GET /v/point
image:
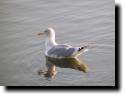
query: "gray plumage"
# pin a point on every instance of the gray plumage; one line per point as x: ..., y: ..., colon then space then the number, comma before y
x: 62, y: 50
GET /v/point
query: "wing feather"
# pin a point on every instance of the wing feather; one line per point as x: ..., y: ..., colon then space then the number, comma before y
x: 61, y: 50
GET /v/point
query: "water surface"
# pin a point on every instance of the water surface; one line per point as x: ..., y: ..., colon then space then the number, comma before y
x: 77, y: 22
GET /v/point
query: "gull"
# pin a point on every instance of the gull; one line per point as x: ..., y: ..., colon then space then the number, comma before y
x: 55, y: 50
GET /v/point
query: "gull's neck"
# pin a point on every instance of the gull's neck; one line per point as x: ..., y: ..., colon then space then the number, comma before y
x: 50, y: 40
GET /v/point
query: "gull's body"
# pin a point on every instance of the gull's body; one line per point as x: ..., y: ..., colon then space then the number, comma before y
x: 60, y: 50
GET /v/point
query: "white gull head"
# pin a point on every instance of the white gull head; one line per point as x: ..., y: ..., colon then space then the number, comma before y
x: 49, y: 31
x: 50, y: 38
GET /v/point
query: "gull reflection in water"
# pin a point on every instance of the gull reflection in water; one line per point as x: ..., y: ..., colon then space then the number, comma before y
x: 52, y: 63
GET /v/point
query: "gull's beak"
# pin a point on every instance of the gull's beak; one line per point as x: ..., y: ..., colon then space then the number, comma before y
x: 40, y: 33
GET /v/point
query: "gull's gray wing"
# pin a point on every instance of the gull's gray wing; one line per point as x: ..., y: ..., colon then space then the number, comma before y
x: 61, y: 50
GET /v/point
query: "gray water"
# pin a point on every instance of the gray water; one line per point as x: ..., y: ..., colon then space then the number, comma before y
x: 76, y: 22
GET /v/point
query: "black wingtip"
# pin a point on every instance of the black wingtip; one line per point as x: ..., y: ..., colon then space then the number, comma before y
x: 81, y: 48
